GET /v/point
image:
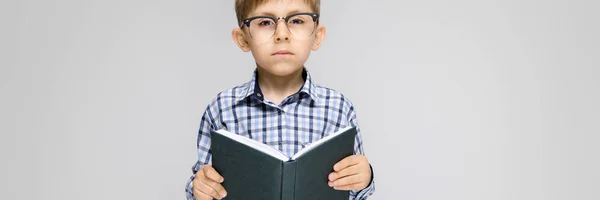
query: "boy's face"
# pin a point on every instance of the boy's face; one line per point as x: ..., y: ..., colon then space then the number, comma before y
x: 285, y: 52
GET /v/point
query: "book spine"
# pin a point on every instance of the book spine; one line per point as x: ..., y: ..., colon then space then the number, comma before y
x: 288, y: 180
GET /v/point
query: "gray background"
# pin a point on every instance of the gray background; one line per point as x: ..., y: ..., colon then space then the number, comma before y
x: 456, y: 99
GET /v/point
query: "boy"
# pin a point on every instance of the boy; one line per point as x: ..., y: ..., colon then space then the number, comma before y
x: 280, y: 106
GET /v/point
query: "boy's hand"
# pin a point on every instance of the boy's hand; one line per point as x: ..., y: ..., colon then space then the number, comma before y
x: 351, y: 173
x: 207, y: 184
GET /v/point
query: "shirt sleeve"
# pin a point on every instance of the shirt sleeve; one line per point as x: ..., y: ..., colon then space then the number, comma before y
x: 358, y: 150
x: 203, y: 147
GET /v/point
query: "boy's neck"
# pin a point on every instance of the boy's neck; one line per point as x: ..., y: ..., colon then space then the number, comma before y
x: 276, y: 88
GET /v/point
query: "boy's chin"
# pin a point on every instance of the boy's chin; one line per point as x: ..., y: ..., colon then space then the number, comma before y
x: 282, y: 70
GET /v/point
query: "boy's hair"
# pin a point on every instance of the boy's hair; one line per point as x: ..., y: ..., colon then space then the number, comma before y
x: 244, y: 7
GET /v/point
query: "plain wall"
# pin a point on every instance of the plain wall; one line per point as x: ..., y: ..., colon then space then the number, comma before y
x: 457, y: 100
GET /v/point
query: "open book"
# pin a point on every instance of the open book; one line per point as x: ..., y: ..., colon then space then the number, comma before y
x: 253, y: 170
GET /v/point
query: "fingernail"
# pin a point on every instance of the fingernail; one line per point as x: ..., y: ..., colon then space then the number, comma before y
x: 330, y: 184
x: 331, y: 177
x: 222, y: 179
x: 335, y: 167
x: 224, y: 195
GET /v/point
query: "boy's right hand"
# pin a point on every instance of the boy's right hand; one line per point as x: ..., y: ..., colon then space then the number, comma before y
x: 207, y: 184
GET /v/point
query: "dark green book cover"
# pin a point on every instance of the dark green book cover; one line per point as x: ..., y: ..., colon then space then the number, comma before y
x: 253, y: 170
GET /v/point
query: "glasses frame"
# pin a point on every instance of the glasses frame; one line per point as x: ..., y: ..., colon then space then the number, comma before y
x: 315, y: 18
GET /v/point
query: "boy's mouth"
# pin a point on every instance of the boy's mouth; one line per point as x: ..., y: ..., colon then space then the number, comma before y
x: 282, y: 52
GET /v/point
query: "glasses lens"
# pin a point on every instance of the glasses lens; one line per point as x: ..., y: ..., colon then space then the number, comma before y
x: 262, y: 28
x: 301, y: 25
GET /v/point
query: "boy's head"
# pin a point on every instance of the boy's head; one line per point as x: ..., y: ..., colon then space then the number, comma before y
x: 279, y: 33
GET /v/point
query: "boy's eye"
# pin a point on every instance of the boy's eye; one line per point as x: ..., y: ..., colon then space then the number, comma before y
x: 265, y: 23
x: 296, y: 21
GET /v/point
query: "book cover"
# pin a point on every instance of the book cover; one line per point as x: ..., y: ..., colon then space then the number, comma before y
x: 253, y: 170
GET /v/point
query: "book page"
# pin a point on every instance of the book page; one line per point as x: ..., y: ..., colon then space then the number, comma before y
x: 319, y: 142
x: 254, y: 144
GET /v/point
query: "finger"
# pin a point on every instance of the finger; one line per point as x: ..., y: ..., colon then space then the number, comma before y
x: 204, y: 191
x: 201, y: 196
x: 348, y: 180
x: 346, y: 162
x: 212, y: 174
x: 356, y: 186
x: 352, y: 170
x: 217, y: 187
x: 208, y: 190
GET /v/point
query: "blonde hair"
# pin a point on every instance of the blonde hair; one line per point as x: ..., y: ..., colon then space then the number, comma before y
x: 244, y: 7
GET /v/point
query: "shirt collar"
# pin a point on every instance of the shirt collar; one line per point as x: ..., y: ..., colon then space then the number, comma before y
x: 252, y: 89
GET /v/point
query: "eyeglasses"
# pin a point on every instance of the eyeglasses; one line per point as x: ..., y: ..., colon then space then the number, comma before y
x: 263, y: 28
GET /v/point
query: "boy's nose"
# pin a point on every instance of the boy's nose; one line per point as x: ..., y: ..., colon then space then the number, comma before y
x: 282, y: 33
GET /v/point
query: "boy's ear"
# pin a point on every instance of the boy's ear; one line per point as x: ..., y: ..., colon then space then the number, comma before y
x: 237, y: 34
x: 319, y: 37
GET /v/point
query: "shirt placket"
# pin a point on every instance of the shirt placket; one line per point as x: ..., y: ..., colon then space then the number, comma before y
x: 281, y: 129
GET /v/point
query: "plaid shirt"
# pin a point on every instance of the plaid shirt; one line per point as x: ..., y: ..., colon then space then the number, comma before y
x: 300, y: 119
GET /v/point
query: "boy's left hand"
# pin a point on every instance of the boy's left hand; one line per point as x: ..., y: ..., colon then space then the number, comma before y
x: 351, y: 173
